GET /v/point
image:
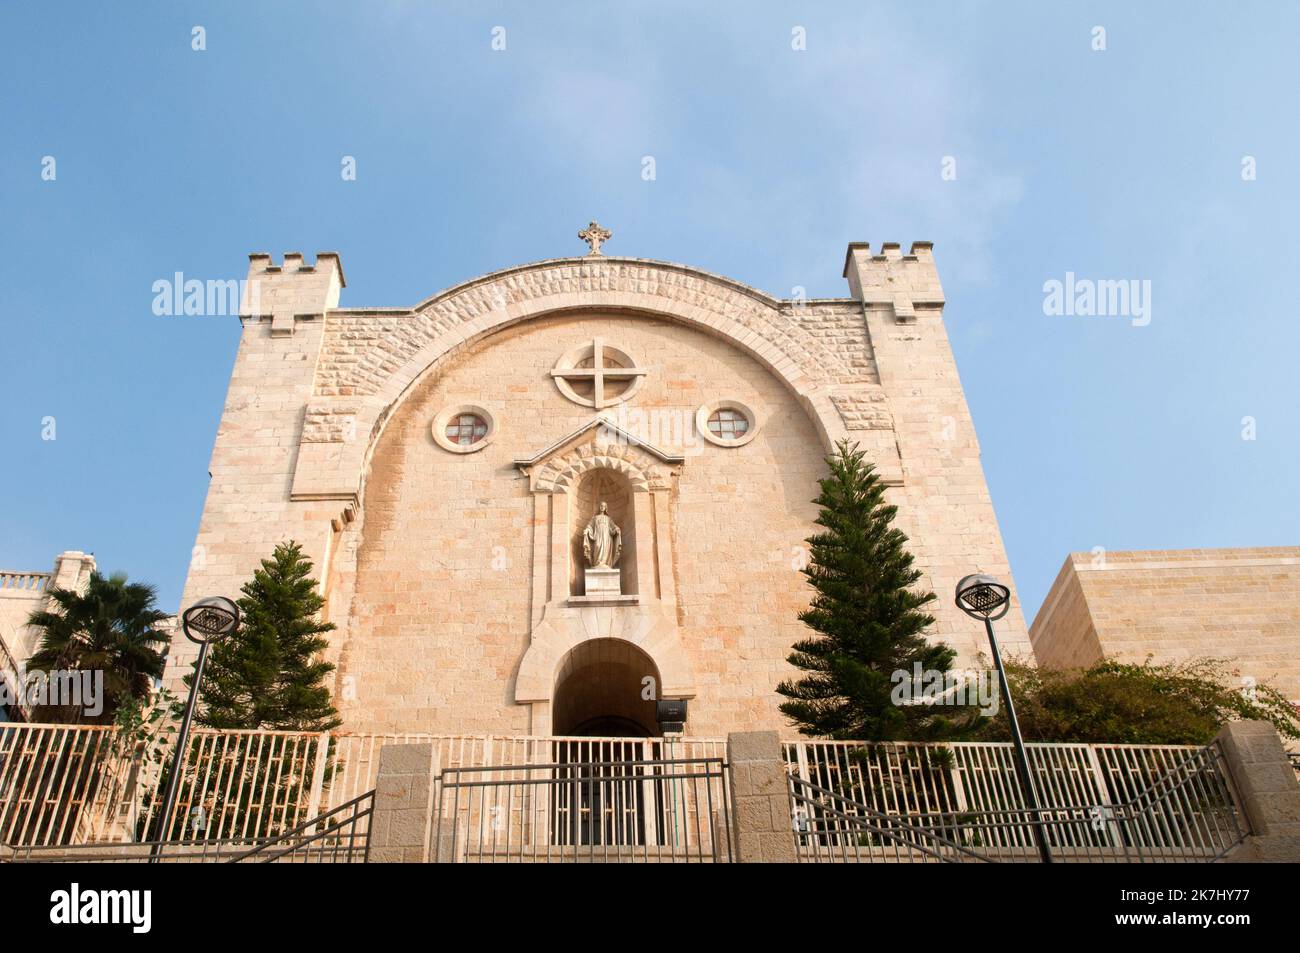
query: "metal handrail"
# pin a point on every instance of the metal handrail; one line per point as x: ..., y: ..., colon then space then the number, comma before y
x: 1128, y: 816
x: 120, y: 851
x: 358, y: 813
x: 1130, y: 805
x: 215, y: 849
x: 639, y: 762
x: 895, y: 820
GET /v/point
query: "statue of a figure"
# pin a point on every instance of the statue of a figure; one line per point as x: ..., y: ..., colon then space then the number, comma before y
x: 602, y: 540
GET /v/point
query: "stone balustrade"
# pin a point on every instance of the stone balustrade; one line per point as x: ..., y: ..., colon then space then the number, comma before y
x: 23, y: 583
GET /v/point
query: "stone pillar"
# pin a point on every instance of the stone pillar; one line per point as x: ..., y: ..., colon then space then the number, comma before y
x: 760, y: 796
x: 72, y: 570
x: 1268, y: 791
x: 404, y: 791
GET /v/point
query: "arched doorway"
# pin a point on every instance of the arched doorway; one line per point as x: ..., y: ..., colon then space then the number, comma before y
x: 606, y: 688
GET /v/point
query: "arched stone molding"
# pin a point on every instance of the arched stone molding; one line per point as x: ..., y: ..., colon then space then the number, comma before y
x: 370, y: 360
x: 773, y: 331
x: 643, y: 471
x: 607, y: 682
x: 650, y: 627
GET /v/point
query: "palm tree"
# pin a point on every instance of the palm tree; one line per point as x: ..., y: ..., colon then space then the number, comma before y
x: 112, y: 627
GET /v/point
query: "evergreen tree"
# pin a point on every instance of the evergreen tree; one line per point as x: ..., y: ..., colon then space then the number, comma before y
x: 867, y: 619
x: 269, y: 674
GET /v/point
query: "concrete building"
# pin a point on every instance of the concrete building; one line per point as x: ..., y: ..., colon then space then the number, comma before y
x: 442, y: 465
x: 1242, y: 604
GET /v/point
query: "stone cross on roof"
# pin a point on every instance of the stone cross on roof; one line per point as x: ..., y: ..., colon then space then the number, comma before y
x: 593, y: 235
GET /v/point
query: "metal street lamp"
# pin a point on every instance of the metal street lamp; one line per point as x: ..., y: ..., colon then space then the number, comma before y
x: 983, y: 597
x: 203, y: 623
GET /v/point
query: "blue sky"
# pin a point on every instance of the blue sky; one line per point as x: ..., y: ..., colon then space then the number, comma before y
x: 1119, y: 164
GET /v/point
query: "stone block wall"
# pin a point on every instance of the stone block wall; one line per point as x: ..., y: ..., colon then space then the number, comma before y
x: 249, y: 508
x: 446, y: 575
x: 1266, y: 787
x: 1174, y: 605
x: 943, y: 503
x: 427, y: 558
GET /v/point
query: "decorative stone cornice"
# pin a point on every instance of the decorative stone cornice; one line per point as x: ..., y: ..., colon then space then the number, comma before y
x: 362, y: 352
x: 560, y: 466
x: 370, y: 359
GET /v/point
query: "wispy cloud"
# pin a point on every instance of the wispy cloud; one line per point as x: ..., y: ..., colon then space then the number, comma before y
x: 843, y: 141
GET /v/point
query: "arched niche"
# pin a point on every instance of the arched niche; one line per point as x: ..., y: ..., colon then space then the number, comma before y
x: 593, y: 487
x: 606, y: 687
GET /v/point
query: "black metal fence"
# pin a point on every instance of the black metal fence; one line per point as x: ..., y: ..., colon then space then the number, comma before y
x: 1186, y: 815
x: 655, y: 811
x: 340, y: 836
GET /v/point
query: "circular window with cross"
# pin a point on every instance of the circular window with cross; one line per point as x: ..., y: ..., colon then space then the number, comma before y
x: 598, y: 375
x: 463, y: 428
x: 726, y: 423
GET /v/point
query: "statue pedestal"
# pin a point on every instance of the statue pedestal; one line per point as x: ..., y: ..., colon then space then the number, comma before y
x: 602, y: 582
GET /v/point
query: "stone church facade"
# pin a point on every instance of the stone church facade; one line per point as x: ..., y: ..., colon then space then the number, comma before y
x: 440, y: 465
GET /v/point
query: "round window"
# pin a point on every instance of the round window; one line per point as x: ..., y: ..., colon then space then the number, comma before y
x: 466, y: 429
x: 727, y: 423
x: 463, y: 429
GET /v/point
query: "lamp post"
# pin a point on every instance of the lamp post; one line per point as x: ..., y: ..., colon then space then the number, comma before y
x: 983, y: 597
x: 204, y: 622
